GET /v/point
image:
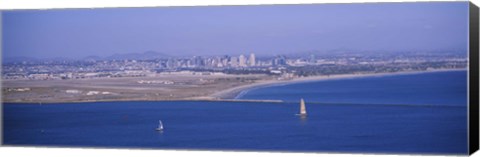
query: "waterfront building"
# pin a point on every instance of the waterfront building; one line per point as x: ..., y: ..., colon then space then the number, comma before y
x: 198, y: 61
x: 279, y: 61
x: 225, y: 60
x: 251, y: 60
x: 242, y: 61
x: 234, y: 62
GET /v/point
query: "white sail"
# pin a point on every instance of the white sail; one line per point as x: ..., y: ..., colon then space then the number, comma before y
x: 160, y: 125
x: 303, y: 109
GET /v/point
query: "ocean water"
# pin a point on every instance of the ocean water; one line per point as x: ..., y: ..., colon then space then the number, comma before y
x: 436, y: 88
x: 373, y: 126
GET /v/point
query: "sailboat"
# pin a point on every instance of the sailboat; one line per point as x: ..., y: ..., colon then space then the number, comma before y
x: 160, y: 126
x: 303, y: 109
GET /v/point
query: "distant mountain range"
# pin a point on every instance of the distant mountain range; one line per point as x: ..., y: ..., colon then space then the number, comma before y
x: 18, y: 59
x: 157, y: 55
x: 136, y: 56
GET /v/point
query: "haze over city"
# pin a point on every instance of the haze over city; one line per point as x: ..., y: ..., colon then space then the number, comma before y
x: 234, y: 30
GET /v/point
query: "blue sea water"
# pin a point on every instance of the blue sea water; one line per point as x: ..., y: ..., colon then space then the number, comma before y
x: 375, y: 125
x: 436, y: 88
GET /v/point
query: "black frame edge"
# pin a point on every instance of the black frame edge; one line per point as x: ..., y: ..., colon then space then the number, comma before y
x: 473, y: 107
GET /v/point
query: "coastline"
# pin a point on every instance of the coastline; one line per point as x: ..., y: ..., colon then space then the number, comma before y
x: 234, y: 93
x: 231, y: 94
x: 146, y: 100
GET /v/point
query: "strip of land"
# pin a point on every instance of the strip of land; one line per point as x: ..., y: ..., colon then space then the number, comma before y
x: 232, y: 93
x: 156, y: 88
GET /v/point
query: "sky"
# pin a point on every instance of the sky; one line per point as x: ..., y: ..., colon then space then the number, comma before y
x: 219, y: 30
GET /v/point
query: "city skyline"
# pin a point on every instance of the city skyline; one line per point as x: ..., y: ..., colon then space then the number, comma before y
x: 233, y: 30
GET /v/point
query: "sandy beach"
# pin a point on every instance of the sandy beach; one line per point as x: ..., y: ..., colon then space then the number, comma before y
x: 232, y: 93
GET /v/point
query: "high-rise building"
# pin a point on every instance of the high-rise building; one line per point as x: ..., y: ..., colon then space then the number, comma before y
x: 251, y: 60
x: 217, y: 62
x: 312, y: 59
x: 198, y: 61
x: 171, y: 63
x: 225, y: 60
x: 242, y: 61
x: 279, y: 61
x: 234, y: 61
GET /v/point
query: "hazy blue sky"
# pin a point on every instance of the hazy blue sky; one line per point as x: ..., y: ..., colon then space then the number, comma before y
x: 236, y: 29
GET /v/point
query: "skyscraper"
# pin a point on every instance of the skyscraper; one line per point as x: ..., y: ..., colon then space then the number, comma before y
x: 251, y: 60
x: 242, y: 61
x: 312, y: 59
x: 198, y: 61
x: 280, y: 60
x: 225, y: 60
x: 233, y: 61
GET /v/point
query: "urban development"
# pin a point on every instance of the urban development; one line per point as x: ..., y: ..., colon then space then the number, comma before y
x: 195, y: 77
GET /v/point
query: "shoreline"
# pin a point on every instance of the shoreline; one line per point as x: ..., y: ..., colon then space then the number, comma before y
x: 140, y: 100
x: 232, y: 94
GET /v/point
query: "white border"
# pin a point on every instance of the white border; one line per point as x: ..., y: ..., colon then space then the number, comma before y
x: 61, y: 152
